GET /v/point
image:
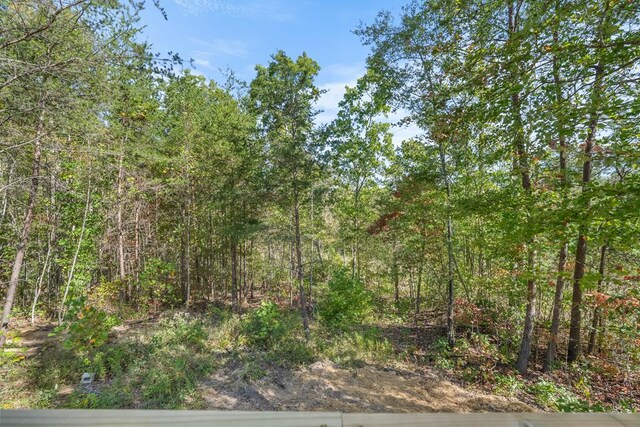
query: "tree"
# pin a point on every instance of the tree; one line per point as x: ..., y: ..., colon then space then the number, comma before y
x: 48, y: 49
x: 359, y: 146
x: 282, y: 95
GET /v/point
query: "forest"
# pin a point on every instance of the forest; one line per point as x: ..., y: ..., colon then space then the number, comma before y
x: 190, y: 243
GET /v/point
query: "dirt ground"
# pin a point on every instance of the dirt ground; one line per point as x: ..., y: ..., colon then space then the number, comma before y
x: 323, y: 386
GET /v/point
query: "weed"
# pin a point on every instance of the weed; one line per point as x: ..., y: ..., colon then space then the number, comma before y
x: 507, y: 385
x: 356, y: 348
x: 555, y: 397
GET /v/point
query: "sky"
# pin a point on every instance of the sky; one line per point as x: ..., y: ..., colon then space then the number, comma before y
x: 238, y: 34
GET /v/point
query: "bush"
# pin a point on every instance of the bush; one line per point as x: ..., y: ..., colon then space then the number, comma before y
x: 89, y: 330
x: 265, y: 327
x: 558, y: 398
x: 345, y: 303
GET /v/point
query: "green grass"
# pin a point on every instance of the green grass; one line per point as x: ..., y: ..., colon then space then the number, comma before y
x: 159, y: 369
x: 353, y: 349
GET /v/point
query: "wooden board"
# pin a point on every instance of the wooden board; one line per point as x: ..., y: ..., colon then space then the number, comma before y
x: 491, y: 420
x: 131, y: 418
x: 134, y: 418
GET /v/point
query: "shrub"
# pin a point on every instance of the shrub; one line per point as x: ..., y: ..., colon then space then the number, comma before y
x: 265, y: 327
x: 346, y: 301
x: 558, y: 398
x: 89, y: 329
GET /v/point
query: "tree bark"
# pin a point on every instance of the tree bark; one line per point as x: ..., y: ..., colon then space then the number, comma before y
x: 420, y: 268
x: 26, y: 229
x: 530, y: 314
x: 557, y: 309
x: 595, y: 323
x: 38, y: 289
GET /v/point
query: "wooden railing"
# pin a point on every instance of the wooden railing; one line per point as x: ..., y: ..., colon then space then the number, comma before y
x: 136, y: 418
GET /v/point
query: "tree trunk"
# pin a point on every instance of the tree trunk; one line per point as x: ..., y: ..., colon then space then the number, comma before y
x: 395, y: 273
x: 529, y: 320
x: 557, y: 309
x: 187, y: 296
x: 119, y: 225
x: 5, y: 198
x: 419, y: 286
x: 26, y: 229
x: 451, y: 331
x: 75, y: 255
x: 595, y: 323
x: 298, y: 250
x: 521, y: 164
x: 581, y: 247
x: 234, y: 276
x: 38, y: 290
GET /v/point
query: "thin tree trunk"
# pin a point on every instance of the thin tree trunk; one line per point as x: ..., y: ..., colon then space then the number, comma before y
x: 529, y: 320
x: 597, y: 310
x: 5, y: 197
x: 26, y: 229
x: 557, y: 309
x: 521, y: 164
x: 75, y: 255
x: 234, y: 276
x: 451, y: 331
x: 298, y: 250
x: 395, y: 273
x: 38, y: 290
x: 292, y: 269
x: 119, y: 225
x: 419, y: 287
x: 187, y: 296
x: 581, y: 247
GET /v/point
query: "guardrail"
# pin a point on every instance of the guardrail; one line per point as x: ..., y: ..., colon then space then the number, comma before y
x: 136, y: 418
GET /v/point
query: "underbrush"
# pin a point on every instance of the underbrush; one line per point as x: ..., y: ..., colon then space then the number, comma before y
x: 159, y: 369
x: 355, y: 348
x: 480, y: 361
x: 162, y: 365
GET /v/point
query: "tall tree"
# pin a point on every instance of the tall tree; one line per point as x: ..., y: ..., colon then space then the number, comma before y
x: 283, y: 96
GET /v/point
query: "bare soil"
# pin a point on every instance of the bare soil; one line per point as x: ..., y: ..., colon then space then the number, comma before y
x: 323, y: 386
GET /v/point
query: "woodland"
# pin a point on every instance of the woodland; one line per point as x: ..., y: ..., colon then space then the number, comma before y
x: 178, y: 237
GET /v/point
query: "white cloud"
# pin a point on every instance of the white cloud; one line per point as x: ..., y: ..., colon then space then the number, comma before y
x: 219, y: 48
x: 343, y: 70
x: 204, y: 63
x: 276, y: 10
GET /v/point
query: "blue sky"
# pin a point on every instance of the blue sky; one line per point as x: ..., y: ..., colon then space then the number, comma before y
x: 238, y: 34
